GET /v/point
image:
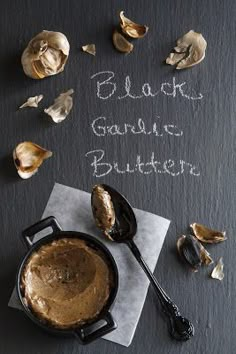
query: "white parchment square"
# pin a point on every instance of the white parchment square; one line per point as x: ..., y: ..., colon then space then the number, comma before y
x: 72, y: 209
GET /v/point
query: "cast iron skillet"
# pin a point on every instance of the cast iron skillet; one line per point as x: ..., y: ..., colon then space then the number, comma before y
x: 104, y: 322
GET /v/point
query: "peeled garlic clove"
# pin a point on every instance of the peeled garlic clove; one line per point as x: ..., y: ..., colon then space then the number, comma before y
x: 190, y: 51
x: 131, y: 28
x: 32, y: 101
x: 61, y: 107
x: 193, y: 252
x: 204, y: 234
x: 121, y: 43
x: 103, y: 209
x: 28, y: 157
x: 218, y: 272
x: 45, y: 55
x: 89, y: 48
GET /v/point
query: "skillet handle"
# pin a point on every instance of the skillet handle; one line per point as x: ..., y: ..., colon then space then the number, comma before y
x: 89, y: 333
x: 29, y: 233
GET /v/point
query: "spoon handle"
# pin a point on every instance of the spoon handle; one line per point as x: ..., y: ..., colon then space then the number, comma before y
x: 180, y: 328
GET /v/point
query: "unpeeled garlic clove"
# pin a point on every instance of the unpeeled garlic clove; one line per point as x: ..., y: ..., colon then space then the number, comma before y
x: 28, y: 157
x: 121, y: 43
x: 131, y: 28
x: 190, y: 51
x: 32, y: 101
x: 45, y: 55
x: 61, y: 107
x: 217, y: 272
x: 204, y: 234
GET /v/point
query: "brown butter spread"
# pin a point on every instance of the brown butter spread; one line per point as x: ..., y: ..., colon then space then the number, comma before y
x: 66, y: 282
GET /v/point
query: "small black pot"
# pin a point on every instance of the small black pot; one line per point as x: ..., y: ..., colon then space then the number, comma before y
x: 104, y: 322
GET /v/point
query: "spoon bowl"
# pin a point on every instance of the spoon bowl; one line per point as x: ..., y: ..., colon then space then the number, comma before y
x: 123, y: 231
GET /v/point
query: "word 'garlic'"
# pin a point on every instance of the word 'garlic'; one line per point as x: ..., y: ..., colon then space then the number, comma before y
x: 28, y: 157
x: 61, y: 107
x: 45, y: 55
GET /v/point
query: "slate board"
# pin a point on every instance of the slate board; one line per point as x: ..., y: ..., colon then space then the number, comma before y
x: 208, y: 142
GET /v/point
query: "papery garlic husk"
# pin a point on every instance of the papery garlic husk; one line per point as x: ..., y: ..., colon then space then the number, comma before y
x: 28, y: 157
x: 194, y: 254
x: 217, y: 272
x: 121, y: 43
x: 89, y: 48
x: 32, y: 101
x: 204, y: 234
x: 45, y: 55
x: 190, y: 51
x: 131, y: 28
x: 103, y: 209
x: 61, y: 107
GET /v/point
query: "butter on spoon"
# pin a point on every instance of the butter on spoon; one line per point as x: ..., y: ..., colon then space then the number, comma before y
x: 122, y: 230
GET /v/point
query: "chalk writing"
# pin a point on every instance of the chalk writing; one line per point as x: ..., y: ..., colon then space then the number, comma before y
x: 170, y: 167
x: 101, y: 128
x: 106, y: 88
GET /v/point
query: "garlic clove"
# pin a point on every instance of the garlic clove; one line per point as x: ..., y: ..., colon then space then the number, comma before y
x: 190, y: 51
x: 61, y: 107
x: 32, y: 101
x: 28, y: 157
x: 204, y: 234
x: 89, y: 48
x: 131, y: 28
x: 45, y: 55
x: 192, y: 252
x: 217, y: 272
x: 121, y: 43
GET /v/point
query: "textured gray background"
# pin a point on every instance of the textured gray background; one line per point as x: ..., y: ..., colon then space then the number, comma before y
x: 209, y: 135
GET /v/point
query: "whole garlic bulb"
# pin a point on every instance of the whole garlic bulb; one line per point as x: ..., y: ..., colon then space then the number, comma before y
x: 45, y: 55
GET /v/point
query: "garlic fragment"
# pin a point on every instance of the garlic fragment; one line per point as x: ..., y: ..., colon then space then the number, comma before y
x: 61, y: 107
x: 32, y: 101
x: 190, y: 51
x: 121, y: 43
x: 28, y: 157
x: 131, y: 28
x: 45, y: 55
x: 89, y: 48
x: 204, y: 234
x: 218, y: 272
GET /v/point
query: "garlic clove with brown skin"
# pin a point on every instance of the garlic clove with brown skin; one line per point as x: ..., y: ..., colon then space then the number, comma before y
x: 132, y: 29
x: 28, y: 157
x: 45, y: 55
x: 121, y: 43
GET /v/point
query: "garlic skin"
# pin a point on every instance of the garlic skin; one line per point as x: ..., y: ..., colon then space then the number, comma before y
x: 28, y: 157
x: 45, y: 55
x: 32, y: 102
x: 190, y: 51
x: 61, y: 107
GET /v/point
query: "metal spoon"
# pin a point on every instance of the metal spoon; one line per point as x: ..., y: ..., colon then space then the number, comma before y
x: 123, y: 231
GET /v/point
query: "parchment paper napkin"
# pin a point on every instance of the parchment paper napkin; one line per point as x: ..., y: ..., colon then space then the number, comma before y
x: 72, y: 209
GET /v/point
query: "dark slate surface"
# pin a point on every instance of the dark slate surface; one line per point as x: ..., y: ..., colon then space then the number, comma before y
x: 208, y: 135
